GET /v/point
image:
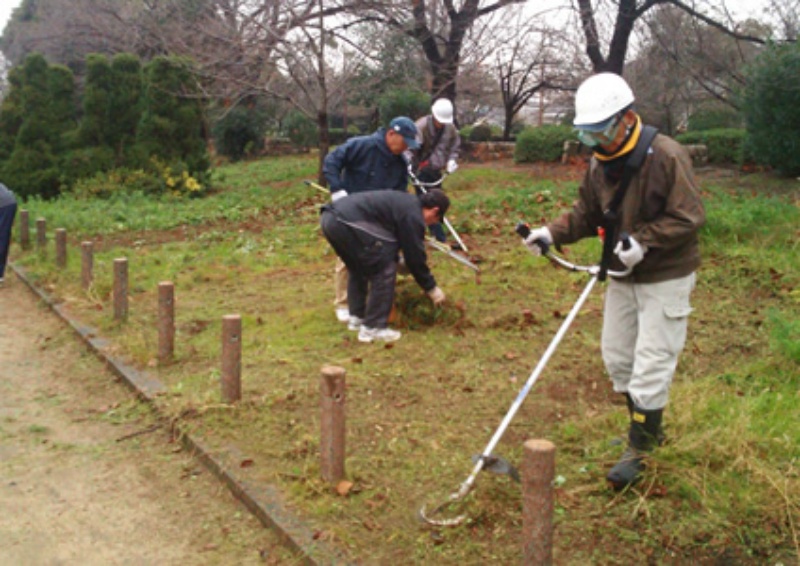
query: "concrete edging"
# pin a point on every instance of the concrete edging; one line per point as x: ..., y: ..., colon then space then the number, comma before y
x: 263, y: 501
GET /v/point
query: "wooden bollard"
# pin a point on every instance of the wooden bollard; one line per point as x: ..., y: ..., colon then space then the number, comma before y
x: 166, y: 322
x: 24, y: 229
x: 41, y: 234
x: 231, y: 358
x: 61, y: 248
x: 120, y: 288
x: 538, y: 471
x: 332, y: 404
x: 87, y: 264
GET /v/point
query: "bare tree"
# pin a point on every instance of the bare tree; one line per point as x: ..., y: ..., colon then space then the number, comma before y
x: 626, y: 13
x: 529, y: 58
x: 443, y: 29
x: 686, y: 64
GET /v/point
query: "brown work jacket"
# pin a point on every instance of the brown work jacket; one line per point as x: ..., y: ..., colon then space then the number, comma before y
x: 662, y: 210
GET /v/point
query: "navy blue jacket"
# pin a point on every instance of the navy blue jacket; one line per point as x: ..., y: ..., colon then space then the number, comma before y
x: 364, y: 163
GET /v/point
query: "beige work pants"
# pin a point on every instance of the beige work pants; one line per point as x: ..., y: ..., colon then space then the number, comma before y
x: 340, y: 285
x: 644, y: 331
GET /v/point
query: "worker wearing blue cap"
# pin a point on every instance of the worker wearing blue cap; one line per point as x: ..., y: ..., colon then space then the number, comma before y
x: 368, y: 163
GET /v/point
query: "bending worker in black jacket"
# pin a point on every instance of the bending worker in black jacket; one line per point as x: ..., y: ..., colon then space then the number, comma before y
x: 367, y: 230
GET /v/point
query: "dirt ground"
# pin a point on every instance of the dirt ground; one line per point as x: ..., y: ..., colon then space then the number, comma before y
x: 87, y: 475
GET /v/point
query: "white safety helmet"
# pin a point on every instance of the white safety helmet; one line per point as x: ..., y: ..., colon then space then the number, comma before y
x: 443, y: 111
x: 599, y: 98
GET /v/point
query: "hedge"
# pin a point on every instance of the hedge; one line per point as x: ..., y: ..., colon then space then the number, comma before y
x: 543, y: 143
x: 725, y: 145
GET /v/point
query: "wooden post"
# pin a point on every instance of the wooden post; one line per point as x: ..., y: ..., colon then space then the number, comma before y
x: 538, y: 471
x: 166, y: 322
x: 41, y: 234
x: 332, y: 438
x: 231, y: 358
x: 61, y: 248
x: 120, y: 288
x: 25, y: 229
x: 87, y: 264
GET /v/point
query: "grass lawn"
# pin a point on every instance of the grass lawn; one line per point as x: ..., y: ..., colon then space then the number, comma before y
x: 725, y: 487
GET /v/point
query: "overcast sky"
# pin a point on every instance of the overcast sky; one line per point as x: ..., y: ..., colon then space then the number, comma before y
x: 6, y: 7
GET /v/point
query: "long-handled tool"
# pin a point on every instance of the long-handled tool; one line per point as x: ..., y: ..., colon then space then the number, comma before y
x: 424, y: 188
x: 445, y: 250
x: 429, y: 241
x: 487, y: 461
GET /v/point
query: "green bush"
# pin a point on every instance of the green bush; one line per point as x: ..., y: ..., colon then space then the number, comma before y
x: 172, y: 125
x: 543, y: 143
x: 240, y: 131
x: 714, y: 116
x: 338, y: 136
x: 110, y: 183
x: 481, y: 133
x: 409, y: 102
x: 771, y: 111
x: 300, y: 129
x: 83, y: 163
x: 725, y: 145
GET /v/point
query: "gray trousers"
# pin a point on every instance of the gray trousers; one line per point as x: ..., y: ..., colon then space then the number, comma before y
x: 644, y: 331
x: 372, y: 266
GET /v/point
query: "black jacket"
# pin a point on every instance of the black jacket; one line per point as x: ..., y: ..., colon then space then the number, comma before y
x: 392, y: 217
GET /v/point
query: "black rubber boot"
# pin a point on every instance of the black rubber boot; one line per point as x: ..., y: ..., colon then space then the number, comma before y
x: 642, y: 438
x: 660, y: 436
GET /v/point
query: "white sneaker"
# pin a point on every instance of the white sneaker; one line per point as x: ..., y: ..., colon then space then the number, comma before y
x: 354, y: 323
x: 383, y: 334
x: 342, y: 314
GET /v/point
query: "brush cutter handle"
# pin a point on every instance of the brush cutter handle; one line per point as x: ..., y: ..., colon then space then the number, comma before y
x: 429, y: 185
x: 524, y: 230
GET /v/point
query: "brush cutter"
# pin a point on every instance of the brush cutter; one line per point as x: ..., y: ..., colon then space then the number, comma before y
x: 424, y: 188
x: 486, y: 460
x: 429, y: 241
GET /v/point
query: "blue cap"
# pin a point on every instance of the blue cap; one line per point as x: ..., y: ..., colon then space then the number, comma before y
x: 406, y: 128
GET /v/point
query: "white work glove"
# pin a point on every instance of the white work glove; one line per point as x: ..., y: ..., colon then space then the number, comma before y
x: 437, y: 296
x: 632, y: 255
x: 410, y: 168
x: 451, y: 166
x: 338, y: 194
x: 542, y: 234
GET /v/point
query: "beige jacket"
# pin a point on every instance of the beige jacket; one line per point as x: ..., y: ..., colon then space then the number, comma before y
x: 662, y: 210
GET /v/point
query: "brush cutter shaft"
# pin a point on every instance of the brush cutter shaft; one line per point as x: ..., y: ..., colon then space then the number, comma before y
x: 531, y: 381
x: 444, y: 249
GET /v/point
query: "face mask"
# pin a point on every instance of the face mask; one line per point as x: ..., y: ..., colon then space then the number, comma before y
x: 604, y: 136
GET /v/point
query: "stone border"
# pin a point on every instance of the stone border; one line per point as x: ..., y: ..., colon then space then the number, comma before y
x: 263, y: 501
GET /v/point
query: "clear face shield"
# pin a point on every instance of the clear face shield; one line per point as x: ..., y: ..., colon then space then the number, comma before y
x: 602, y: 133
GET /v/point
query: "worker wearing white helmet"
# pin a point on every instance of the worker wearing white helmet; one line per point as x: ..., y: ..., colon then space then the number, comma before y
x: 439, y: 144
x: 641, y: 184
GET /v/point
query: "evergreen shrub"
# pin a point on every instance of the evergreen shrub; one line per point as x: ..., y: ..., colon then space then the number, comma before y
x: 725, y: 145
x: 542, y: 143
x: 409, y: 102
x: 771, y: 108
x: 480, y: 133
